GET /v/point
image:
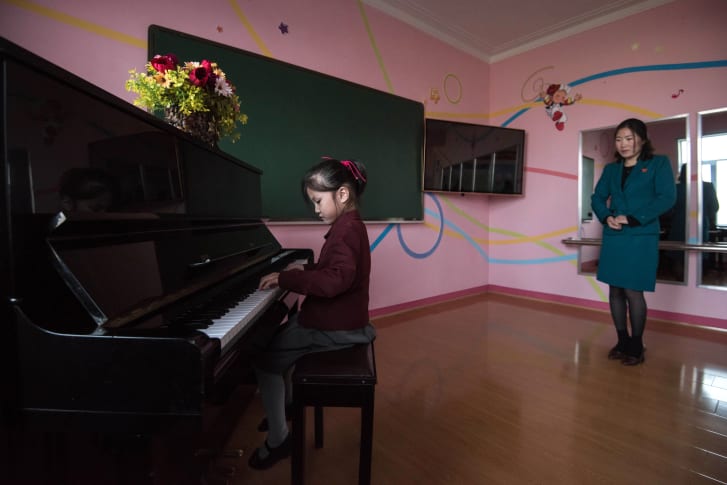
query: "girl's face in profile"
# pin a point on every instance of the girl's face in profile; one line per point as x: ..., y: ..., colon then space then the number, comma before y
x: 628, y: 144
x: 328, y: 205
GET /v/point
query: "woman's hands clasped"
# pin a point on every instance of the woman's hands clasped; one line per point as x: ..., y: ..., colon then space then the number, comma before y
x: 615, y: 223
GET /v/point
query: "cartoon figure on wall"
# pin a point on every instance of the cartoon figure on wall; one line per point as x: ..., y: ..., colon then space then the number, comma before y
x: 554, y: 98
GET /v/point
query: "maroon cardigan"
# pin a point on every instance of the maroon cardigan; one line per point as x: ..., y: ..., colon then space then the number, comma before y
x: 337, y: 286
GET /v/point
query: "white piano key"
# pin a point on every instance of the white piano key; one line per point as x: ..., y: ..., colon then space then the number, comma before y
x: 228, y: 326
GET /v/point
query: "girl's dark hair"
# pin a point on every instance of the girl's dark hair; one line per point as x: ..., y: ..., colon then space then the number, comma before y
x: 330, y: 174
x: 639, y: 128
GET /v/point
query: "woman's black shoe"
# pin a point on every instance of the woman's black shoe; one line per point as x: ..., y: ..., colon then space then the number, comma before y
x: 274, y: 455
x: 634, y: 359
x: 616, y: 353
x: 263, y: 425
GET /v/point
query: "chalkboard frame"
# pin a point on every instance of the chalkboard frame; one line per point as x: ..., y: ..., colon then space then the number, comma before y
x: 297, y: 115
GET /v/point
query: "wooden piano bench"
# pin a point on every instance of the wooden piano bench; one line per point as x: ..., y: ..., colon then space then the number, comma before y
x: 338, y: 378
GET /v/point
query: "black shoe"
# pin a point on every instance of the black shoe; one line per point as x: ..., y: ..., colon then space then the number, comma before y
x: 616, y: 353
x: 274, y: 455
x: 634, y: 359
x: 263, y: 426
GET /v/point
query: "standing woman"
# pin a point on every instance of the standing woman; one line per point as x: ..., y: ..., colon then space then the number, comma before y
x: 631, y: 194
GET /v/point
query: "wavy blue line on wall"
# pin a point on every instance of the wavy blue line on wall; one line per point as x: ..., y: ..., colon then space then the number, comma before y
x: 464, y: 235
x: 431, y: 250
x: 627, y: 70
x: 406, y: 248
x: 513, y: 117
x: 613, y: 72
x: 655, y: 67
x: 381, y: 236
x: 554, y: 259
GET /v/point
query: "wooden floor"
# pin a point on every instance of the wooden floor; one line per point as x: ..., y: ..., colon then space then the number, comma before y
x: 502, y: 390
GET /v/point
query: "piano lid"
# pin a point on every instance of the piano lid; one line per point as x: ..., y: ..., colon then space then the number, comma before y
x: 74, y: 147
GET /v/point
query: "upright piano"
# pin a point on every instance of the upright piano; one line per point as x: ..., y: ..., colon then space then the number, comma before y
x: 129, y: 260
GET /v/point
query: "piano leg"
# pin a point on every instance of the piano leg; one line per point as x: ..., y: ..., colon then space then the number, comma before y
x: 32, y: 457
x: 54, y: 456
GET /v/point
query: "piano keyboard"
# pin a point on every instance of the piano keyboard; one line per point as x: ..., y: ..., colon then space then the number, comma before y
x: 228, y: 326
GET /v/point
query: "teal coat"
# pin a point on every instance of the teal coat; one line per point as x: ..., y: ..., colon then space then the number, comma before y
x: 630, y: 256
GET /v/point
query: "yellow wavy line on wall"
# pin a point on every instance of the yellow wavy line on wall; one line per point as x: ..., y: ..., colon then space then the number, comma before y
x: 501, y: 242
x: 526, y: 239
x: 250, y: 30
x: 79, y: 23
x: 484, y: 116
x: 594, y: 285
x: 374, y: 46
x: 519, y: 238
x: 127, y: 39
x: 118, y: 36
x: 514, y: 109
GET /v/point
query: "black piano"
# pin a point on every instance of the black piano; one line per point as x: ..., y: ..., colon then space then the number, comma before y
x: 129, y: 261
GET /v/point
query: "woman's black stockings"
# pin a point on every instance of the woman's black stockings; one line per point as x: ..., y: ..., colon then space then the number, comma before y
x: 620, y: 300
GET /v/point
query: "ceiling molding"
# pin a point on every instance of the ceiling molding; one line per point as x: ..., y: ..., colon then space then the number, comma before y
x: 588, y: 23
x: 415, y: 15
x: 426, y: 26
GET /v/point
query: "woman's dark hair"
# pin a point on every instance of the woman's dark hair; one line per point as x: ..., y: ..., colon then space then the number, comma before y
x: 330, y: 174
x: 638, y: 127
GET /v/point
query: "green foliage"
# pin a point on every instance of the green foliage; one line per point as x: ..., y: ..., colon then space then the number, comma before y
x: 190, y: 88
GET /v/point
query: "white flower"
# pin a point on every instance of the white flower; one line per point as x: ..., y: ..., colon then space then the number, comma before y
x: 223, y: 88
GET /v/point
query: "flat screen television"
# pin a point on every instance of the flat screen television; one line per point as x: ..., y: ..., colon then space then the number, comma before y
x: 471, y: 158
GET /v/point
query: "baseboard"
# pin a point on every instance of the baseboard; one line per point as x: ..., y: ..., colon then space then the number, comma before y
x: 426, y: 302
x: 708, y: 323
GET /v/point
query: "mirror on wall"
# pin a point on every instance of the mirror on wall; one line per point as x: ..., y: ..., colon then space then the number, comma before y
x: 712, y: 190
x: 670, y: 138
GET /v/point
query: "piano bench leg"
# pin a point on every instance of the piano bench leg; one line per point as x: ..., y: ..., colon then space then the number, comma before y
x: 338, y: 378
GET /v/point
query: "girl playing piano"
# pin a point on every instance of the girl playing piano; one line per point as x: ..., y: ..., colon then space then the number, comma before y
x: 334, y: 313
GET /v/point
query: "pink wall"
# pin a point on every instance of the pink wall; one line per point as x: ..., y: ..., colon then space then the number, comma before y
x: 465, y: 243
x: 604, y: 64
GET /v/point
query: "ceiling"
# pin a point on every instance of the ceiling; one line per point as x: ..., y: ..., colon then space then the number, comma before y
x: 493, y: 30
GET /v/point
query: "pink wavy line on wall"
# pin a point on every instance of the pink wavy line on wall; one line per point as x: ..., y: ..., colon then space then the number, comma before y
x: 554, y: 173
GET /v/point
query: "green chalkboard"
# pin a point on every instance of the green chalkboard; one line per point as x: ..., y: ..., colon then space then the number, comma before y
x: 296, y: 116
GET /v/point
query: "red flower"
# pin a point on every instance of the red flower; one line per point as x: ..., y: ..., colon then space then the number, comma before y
x: 162, y: 63
x: 200, y: 76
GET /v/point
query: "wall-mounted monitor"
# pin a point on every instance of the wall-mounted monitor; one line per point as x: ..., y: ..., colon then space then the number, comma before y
x: 472, y: 158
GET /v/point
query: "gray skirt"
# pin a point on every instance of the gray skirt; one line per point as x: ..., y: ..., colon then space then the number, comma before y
x: 291, y: 342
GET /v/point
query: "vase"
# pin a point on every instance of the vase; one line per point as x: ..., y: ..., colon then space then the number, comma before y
x: 200, y: 124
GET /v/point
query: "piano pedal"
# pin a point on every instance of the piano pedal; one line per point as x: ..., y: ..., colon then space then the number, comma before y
x: 209, y: 452
x: 236, y: 453
x: 220, y: 475
x: 227, y: 471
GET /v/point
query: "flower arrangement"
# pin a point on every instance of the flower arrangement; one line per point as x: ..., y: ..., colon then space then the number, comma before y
x: 196, y: 97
